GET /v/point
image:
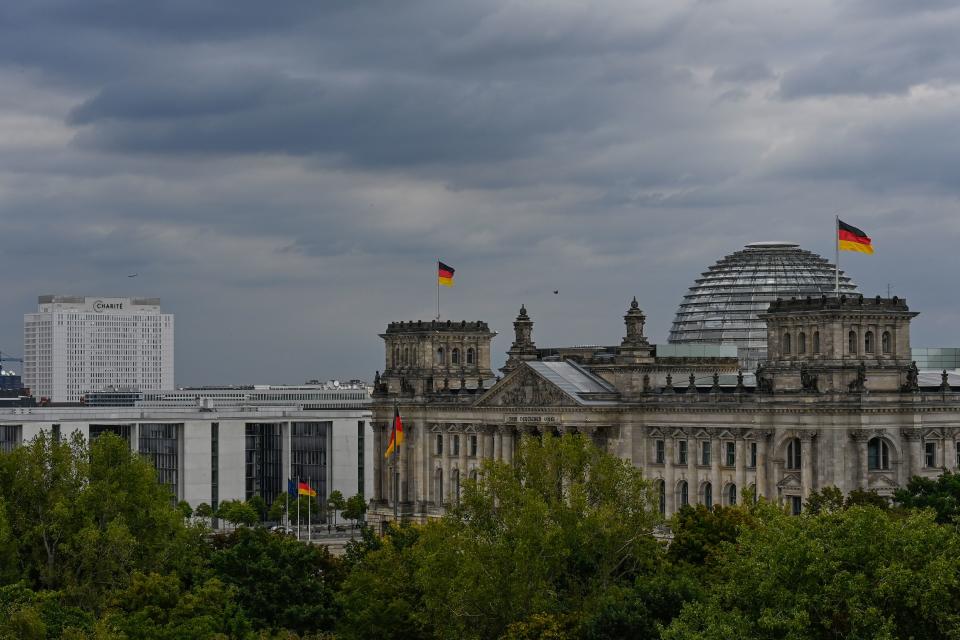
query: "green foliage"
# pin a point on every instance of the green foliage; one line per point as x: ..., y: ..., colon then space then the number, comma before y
x: 203, y: 510
x: 259, y: 506
x: 277, y: 510
x: 941, y: 494
x: 185, y: 509
x: 830, y: 499
x: 279, y: 581
x: 853, y: 573
x: 336, y: 500
x: 238, y: 513
x: 700, y: 533
x: 355, y: 508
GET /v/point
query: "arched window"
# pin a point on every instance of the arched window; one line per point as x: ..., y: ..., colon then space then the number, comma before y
x: 786, y: 344
x: 852, y: 343
x: 868, y: 342
x: 793, y: 454
x: 470, y: 356
x: 683, y: 493
x: 801, y: 342
x: 732, y: 495
x: 440, y: 354
x: 885, y: 342
x: 816, y: 342
x: 708, y: 495
x: 752, y: 488
x: 455, y: 356
x: 473, y: 475
x: 662, y: 496
x: 878, y: 455
x: 455, y: 481
x: 438, y: 486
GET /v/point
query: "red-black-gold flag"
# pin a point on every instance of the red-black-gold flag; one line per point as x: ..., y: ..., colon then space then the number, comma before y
x: 852, y: 239
x: 396, y: 436
x: 444, y: 274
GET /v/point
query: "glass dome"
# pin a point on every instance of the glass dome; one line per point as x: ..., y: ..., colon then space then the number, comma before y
x: 722, y: 307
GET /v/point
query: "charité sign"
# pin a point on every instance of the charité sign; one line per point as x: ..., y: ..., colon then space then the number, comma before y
x: 100, y: 306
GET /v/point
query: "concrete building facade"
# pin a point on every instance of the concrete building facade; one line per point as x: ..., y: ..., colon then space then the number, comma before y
x: 76, y: 344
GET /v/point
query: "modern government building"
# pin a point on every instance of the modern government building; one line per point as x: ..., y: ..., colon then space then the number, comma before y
x: 772, y: 382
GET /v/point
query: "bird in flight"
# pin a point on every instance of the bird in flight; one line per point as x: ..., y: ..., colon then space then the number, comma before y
x: 556, y: 291
x: 133, y: 275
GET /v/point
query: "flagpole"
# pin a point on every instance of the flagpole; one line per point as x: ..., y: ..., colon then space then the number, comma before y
x: 309, y: 531
x: 298, y: 508
x: 438, y: 289
x: 836, y: 244
x: 396, y: 453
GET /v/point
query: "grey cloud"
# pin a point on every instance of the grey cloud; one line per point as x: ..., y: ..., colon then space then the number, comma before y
x: 744, y: 73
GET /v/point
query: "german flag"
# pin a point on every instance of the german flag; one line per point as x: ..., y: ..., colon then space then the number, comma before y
x: 445, y: 274
x: 852, y: 239
x: 305, y: 489
x: 396, y: 436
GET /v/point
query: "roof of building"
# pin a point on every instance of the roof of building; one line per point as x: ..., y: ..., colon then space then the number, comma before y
x: 575, y: 381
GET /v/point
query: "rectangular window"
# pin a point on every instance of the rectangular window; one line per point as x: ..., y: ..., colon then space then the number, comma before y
x: 930, y: 454
x: 753, y: 455
x: 121, y: 430
x: 661, y: 452
x: 705, y: 453
x: 682, y: 452
x: 473, y: 446
x: 308, y: 455
x: 158, y: 442
x: 262, y: 460
x: 455, y: 445
x: 439, y: 448
x: 796, y: 505
x: 215, y: 465
x: 55, y: 432
x: 360, y: 433
x: 731, y: 454
x: 10, y: 436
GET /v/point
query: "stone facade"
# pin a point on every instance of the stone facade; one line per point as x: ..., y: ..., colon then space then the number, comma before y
x: 837, y: 403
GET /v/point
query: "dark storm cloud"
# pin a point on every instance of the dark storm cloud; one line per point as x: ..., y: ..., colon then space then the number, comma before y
x: 284, y: 175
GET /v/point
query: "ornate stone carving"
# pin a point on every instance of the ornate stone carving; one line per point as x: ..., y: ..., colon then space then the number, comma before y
x: 859, y: 384
x: 527, y: 389
x: 912, y: 385
x: 808, y: 381
x: 944, y: 382
x: 911, y: 433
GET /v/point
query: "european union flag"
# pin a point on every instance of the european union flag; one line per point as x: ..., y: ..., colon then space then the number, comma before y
x: 292, y: 488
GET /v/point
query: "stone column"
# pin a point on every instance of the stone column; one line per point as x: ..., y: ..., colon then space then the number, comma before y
x: 860, y: 443
x: 762, y: 472
x: 445, y: 465
x: 378, y: 461
x: 497, y: 443
x: 806, y: 462
x: 669, y: 480
x: 422, y: 444
x: 507, y: 439
x: 715, y: 452
x: 740, y: 466
x: 462, y: 462
x: 913, y: 459
x: 693, y: 483
x: 404, y: 464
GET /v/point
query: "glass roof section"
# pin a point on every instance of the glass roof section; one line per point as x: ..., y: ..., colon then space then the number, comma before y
x: 724, y: 304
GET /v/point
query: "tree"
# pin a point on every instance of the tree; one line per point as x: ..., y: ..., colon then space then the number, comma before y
x: 335, y: 502
x: 185, y: 509
x: 259, y: 505
x: 280, y: 582
x: 852, y: 573
x: 699, y: 533
x: 831, y: 499
x: 203, y: 511
x: 278, y: 509
x: 545, y: 535
x: 355, y: 508
x: 941, y: 494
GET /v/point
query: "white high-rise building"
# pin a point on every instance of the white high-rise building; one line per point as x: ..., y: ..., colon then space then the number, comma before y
x: 76, y: 344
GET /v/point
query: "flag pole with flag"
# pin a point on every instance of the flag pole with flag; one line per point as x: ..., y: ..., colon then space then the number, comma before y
x: 444, y: 278
x: 850, y: 238
x: 393, y: 448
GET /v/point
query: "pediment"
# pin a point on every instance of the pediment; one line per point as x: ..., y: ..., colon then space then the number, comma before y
x: 656, y: 432
x: 790, y: 481
x: 678, y: 434
x: 933, y: 434
x: 524, y: 387
x: 881, y: 479
x: 703, y: 434
x: 726, y: 435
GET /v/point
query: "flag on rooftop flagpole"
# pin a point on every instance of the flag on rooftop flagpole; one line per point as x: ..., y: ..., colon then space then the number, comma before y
x: 444, y: 274
x: 850, y: 238
x: 396, y: 435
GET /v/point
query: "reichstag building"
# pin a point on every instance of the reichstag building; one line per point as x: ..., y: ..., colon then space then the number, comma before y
x: 772, y: 382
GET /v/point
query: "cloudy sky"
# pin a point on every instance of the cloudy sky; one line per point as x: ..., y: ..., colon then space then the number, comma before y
x: 284, y: 175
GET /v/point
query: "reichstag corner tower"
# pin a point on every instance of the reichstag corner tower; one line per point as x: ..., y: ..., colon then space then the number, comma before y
x: 824, y: 393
